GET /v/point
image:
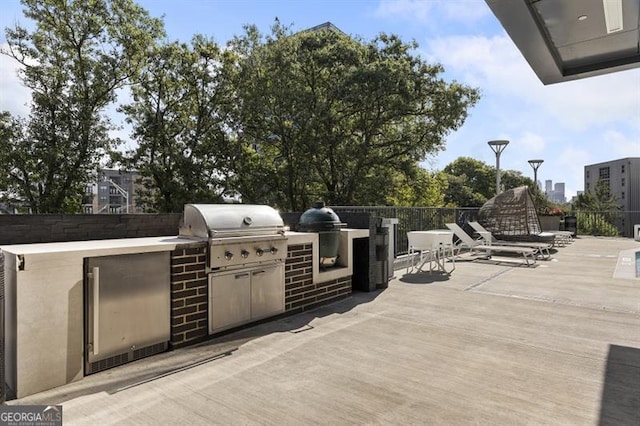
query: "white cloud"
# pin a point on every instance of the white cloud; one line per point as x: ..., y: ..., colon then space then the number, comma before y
x: 622, y: 146
x: 609, y: 98
x: 570, y: 162
x: 434, y: 12
x: 496, y: 66
x: 569, y: 125
x: 532, y: 143
x: 407, y: 9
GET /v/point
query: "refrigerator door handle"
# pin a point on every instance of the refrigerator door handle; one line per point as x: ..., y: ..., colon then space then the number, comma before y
x: 96, y: 309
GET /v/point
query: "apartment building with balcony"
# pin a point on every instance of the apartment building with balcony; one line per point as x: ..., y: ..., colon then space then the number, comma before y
x: 623, y: 179
x: 113, y: 193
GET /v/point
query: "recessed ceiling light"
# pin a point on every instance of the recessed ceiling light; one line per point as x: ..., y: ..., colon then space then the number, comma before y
x: 582, y: 18
x: 612, y: 15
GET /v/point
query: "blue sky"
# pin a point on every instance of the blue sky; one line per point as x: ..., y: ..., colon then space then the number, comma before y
x: 569, y: 125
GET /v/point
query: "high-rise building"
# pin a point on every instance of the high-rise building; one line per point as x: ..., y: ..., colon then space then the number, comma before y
x: 623, y: 179
x: 555, y: 193
x: 558, y: 193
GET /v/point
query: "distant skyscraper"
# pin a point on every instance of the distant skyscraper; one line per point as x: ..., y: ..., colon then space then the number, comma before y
x: 555, y: 194
x: 558, y: 193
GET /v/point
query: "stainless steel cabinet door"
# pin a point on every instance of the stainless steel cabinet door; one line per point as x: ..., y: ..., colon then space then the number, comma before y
x: 267, y: 292
x: 127, y: 303
x: 230, y: 295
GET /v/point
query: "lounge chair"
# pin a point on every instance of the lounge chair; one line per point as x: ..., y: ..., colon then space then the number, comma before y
x: 541, y: 248
x: 466, y: 241
x: 562, y: 237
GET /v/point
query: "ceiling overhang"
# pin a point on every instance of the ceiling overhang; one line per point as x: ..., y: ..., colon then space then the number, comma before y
x: 566, y: 40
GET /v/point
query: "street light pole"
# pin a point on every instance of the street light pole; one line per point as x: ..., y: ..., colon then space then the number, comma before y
x: 535, y: 164
x: 497, y: 147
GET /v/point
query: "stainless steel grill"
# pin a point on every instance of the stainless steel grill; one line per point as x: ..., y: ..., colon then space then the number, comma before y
x: 247, y: 248
x: 238, y: 234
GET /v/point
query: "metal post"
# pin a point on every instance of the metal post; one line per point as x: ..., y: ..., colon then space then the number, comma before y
x: 535, y: 164
x: 497, y: 147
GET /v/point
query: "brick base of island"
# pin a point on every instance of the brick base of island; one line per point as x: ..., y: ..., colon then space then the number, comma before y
x: 306, y: 284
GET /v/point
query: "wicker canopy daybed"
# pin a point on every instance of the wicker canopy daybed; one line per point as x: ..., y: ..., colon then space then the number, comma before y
x: 511, y: 215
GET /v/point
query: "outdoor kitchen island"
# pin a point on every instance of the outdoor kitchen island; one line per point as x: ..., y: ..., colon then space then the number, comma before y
x: 47, y: 286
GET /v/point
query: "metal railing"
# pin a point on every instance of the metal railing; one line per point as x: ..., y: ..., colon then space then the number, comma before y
x: 610, y: 223
x: 413, y: 219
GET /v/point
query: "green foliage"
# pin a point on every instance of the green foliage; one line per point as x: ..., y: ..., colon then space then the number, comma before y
x: 332, y: 116
x: 184, y: 153
x: 595, y: 224
x: 419, y: 188
x: 510, y: 179
x: 470, y: 182
x: 598, y: 199
x: 76, y: 58
x: 284, y: 119
x: 598, y: 210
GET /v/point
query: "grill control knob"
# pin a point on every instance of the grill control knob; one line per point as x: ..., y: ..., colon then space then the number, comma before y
x: 259, y: 252
x: 273, y: 250
x: 244, y: 254
x: 228, y: 255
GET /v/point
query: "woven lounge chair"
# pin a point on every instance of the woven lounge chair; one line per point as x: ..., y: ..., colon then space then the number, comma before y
x: 466, y: 241
x: 512, y: 216
x: 542, y: 249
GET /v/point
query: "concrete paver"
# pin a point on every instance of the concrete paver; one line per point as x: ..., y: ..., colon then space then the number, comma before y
x: 491, y: 344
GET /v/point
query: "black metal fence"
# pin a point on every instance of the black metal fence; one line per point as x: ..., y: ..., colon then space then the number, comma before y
x: 610, y: 223
x: 413, y: 219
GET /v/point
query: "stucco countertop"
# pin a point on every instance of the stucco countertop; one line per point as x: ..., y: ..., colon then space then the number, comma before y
x: 312, y: 237
x: 145, y: 244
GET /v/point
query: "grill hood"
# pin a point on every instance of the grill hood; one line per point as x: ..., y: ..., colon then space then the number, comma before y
x: 230, y: 220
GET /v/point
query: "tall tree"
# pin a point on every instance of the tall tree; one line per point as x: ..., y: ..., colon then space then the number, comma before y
x: 329, y: 113
x: 418, y: 188
x: 74, y: 61
x: 598, y: 199
x: 471, y: 182
x: 185, y: 153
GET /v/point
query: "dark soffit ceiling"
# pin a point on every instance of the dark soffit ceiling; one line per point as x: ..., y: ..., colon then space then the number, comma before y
x: 568, y: 39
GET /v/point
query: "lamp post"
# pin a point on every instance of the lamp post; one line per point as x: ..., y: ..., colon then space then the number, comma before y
x: 535, y: 164
x: 498, y: 147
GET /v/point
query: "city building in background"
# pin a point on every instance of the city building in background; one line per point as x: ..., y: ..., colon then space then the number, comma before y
x: 558, y: 193
x: 555, y: 193
x: 113, y: 193
x: 623, y: 179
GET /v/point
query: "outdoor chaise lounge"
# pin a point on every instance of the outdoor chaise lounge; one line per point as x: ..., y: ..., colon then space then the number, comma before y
x: 466, y: 241
x: 562, y: 237
x: 541, y: 248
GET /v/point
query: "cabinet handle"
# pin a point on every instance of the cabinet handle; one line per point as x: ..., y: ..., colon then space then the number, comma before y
x: 259, y: 272
x: 96, y: 309
x: 241, y: 275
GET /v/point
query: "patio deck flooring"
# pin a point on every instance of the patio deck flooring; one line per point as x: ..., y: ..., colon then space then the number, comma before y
x: 491, y: 344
